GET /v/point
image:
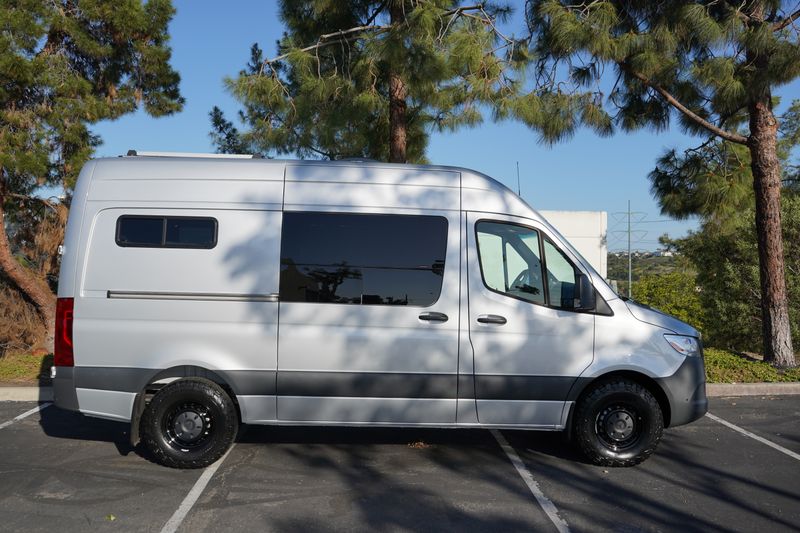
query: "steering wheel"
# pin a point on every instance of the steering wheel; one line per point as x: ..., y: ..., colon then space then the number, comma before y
x: 527, y: 283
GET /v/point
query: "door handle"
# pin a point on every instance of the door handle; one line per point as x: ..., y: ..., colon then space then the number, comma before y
x: 433, y: 317
x: 492, y: 319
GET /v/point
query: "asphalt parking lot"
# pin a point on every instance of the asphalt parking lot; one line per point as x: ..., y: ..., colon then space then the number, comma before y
x: 60, y: 470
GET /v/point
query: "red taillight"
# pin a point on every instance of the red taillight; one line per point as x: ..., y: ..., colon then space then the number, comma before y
x: 63, y: 346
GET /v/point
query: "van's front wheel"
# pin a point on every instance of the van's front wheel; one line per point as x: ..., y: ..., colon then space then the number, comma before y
x: 618, y: 423
x: 190, y: 423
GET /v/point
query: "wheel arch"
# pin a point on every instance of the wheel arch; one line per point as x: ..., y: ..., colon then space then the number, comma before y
x: 582, y: 387
x: 177, y: 372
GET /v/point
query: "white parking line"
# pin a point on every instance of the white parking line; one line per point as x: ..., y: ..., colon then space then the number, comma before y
x: 544, y: 502
x: 753, y: 436
x: 188, y: 502
x: 25, y: 414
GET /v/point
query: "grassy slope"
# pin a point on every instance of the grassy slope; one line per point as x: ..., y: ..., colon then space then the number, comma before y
x: 723, y: 366
x: 24, y: 368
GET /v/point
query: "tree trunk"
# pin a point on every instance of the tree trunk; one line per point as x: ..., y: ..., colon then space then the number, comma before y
x: 35, y: 289
x: 767, y: 186
x: 398, y: 92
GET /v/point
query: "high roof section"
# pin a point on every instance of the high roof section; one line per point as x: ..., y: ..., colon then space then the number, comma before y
x: 173, y: 170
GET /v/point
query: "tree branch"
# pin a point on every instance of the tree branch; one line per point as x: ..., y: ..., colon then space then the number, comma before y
x: 671, y: 100
x: 329, y: 39
x: 26, y: 198
x: 778, y: 26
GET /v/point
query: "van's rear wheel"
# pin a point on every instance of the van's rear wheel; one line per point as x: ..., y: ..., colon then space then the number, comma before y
x: 618, y: 423
x: 190, y: 423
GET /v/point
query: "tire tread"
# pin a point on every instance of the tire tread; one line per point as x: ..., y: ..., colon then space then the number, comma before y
x: 584, y: 422
x: 149, y: 425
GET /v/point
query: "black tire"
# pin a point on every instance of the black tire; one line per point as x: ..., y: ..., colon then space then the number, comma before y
x: 618, y: 423
x: 190, y: 423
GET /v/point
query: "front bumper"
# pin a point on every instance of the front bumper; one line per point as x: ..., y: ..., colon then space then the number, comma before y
x: 65, y: 395
x: 686, y: 391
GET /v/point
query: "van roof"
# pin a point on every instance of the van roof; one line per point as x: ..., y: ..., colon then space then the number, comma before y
x: 479, y: 192
x: 238, y: 158
x: 241, y: 167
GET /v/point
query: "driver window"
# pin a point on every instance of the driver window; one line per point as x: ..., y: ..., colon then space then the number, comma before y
x: 510, y: 260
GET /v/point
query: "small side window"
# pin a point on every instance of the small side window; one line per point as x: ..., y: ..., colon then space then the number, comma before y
x: 561, y: 276
x: 140, y: 231
x: 166, y: 232
x: 191, y: 232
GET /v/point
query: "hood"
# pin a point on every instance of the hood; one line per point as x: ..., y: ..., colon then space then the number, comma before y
x: 655, y: 317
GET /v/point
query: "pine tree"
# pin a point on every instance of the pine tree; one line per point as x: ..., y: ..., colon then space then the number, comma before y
x: 703, y: 62
x: 373, y: 78
x: 714, y: 181
x: 224, y: 135
x: 64, y: 65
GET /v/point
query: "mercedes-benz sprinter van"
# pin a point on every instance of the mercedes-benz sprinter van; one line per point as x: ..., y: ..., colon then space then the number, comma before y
x: 200, y: 292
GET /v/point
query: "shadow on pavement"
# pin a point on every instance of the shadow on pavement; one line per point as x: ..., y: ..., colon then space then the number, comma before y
x: 62, y: 424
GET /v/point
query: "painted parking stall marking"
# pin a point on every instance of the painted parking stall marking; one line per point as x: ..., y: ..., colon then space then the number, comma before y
x: 753, y: 436
x: 188, y: 502
x: 26, y: 414
x: 544, y: 502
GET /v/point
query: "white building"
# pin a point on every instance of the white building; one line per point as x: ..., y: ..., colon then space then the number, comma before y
x: 587, y: 231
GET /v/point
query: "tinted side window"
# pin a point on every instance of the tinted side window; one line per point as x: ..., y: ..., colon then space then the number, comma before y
x: 166, y: 232
x: 140, y: 231
x: 191, y: 232
x: 362, y: 258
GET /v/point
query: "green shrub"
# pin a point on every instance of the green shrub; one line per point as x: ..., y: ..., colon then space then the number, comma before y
x: 728, y: 276
x: 723, y: 366
x: 674, y: 293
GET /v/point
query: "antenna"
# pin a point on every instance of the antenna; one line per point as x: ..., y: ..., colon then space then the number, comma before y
x: 519, y: 190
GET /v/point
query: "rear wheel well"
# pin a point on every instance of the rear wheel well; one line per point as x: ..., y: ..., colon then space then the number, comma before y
x: 645, y: 381
x: 178, y: 372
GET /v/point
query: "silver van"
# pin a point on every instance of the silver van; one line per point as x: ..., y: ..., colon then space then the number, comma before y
x: 200, y: 292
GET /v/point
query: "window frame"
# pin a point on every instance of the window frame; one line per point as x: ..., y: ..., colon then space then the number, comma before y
x: 164, y: 222
x: 541, y: 236
x: 361, y: 213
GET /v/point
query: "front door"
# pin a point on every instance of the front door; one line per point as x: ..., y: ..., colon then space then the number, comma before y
x: 368, y: 317
x: 529, y: 345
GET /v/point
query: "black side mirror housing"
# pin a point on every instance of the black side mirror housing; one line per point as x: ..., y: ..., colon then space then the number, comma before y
x: 585, y: 299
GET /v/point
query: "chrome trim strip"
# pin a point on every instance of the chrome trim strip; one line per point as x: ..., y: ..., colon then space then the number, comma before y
x: 137, y: 295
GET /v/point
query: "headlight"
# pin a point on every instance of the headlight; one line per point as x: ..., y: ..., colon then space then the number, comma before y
x: 684, y: 345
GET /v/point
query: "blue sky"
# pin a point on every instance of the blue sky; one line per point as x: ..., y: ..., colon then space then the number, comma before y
x: 584, y: 173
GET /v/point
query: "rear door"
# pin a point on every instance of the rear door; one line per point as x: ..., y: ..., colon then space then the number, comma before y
x: 368, y: 317
x: 529, y: 345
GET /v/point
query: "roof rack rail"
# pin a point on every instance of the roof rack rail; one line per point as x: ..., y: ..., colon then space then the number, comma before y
x: 139, y: 153
x: 357, y: 159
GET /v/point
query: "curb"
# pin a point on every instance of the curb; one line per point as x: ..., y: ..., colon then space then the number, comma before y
x: 713, y: 390
x: 26, y: 394
x: 751, y: 389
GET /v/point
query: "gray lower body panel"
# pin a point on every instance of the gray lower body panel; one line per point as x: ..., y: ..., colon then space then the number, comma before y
x: 65, y: 395
x: 686, y: 392
x: 535, y: 402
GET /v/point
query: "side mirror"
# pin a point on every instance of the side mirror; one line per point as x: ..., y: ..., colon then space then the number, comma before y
x: 584, y: 294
